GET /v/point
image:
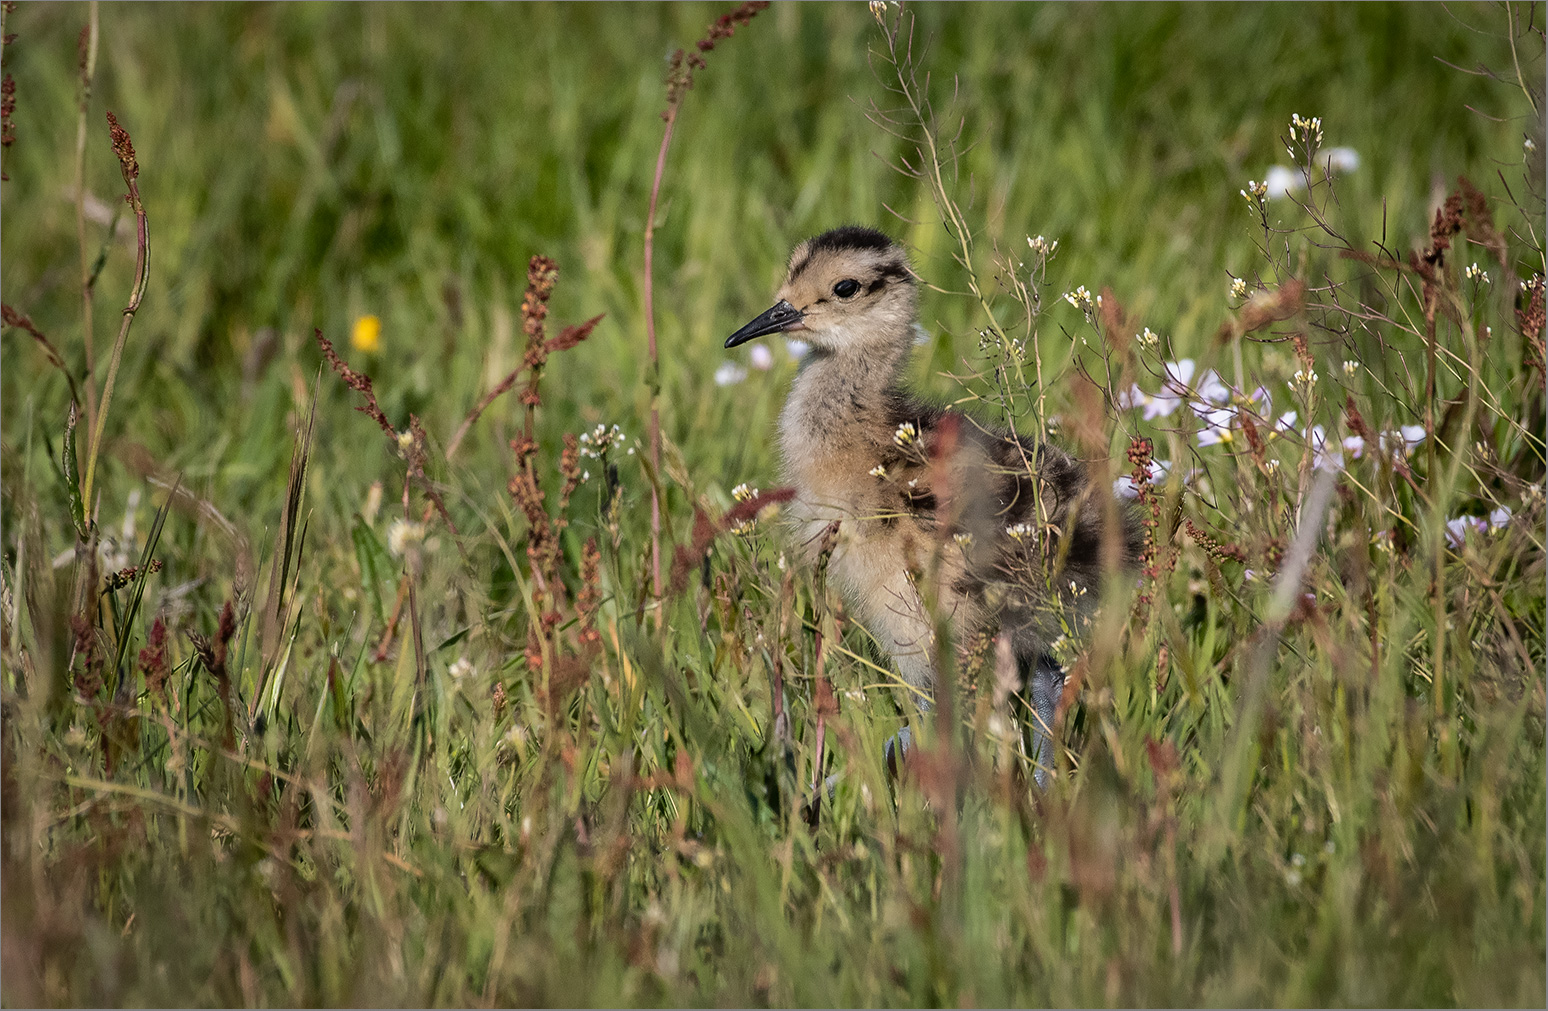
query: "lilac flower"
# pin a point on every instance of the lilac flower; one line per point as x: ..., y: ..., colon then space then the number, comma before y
x: 1217, y: 426
x: 1402, y: 441
x: 762, y: 358
x: 1456, y: 529
x: 1322, y: 456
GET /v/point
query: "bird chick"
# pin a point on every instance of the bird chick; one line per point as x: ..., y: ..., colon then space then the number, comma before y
x: 939, y: 514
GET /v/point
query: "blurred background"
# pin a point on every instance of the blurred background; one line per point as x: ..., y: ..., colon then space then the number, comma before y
x: 309, y: 164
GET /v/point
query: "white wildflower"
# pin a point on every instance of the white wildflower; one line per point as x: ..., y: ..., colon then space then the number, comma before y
x: 1019, y: 532
x: 761, y: 357
x: 1132, y: 397
x: 729, y: 374
x: 1214, y: 390
x: 1147, y: 338
x: 1457, y: 529
x: 1304, y: 377
x: 460, y: 669
x: 1044, y: 247
x: 1217, y: 426
x: 744, y: 493
x: 877, y: 471
x: 797, y: 348
x: 1283, y: 182
x: 1351, y: 367
x: 963, y: 539
x: 1337, y: 160
x: 1322, y: 456
x: 1354, y: 445
x: 1238, y: 287
x: 1080, y: 298
x: 906, y: 434
x: 1308, y: 129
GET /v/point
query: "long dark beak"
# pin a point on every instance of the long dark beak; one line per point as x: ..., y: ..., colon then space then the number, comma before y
x: 782, y: 317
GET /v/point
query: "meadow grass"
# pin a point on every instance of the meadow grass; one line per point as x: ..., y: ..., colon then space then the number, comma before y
x: 335, y: 747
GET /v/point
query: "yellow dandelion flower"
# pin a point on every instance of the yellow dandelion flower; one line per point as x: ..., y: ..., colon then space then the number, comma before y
x: 367, y: 335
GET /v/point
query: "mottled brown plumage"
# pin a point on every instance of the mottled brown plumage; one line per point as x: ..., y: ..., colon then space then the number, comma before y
x: 1007, y: 534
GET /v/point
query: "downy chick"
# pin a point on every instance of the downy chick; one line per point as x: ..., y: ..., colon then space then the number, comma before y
x: 1007, y: 534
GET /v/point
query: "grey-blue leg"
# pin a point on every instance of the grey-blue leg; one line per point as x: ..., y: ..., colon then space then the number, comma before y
x: 1045, y: 687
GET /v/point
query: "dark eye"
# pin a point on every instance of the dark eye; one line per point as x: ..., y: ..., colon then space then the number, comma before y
x: 846, y: 288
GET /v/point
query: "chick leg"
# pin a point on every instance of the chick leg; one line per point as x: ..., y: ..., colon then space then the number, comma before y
x: 1043, y: 690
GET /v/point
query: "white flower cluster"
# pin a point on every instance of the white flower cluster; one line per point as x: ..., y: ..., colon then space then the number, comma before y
x: 1477, y: 273
x: 1147, y: 339
x: 599, y: 440
x: 1043, y: 247
x: 1082, y: 299
x: 1281, y: 182
x: 1351, y: 367
x: 744, y: 493
x: 877, y: 471
x: 1308, y: 129
x: 1019, y: 532
x: 1238, y: 287
x: 906, y: 434
x: 1304, y: 377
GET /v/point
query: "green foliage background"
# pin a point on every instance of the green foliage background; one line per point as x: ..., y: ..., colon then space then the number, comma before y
x: 307, y: 164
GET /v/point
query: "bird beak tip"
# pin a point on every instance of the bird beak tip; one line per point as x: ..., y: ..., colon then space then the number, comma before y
x: 783, y: 316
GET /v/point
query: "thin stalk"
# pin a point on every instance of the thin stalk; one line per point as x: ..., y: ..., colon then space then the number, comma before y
x: 88, y: 74
x: 1437, y: 517
x: 653, y: 376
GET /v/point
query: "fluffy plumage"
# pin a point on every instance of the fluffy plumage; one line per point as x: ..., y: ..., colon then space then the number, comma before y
x: 1005, y: 531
